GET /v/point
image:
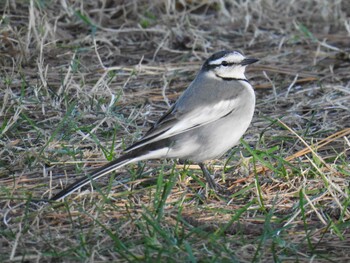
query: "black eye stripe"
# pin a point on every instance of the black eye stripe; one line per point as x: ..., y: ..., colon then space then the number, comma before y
x: 225, y: 63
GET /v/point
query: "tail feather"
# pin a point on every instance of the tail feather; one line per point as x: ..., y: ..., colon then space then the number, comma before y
x: 109, y: 167
x: 155, y: 150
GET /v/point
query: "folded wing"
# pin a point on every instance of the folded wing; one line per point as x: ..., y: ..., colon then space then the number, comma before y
x: 175, y: 121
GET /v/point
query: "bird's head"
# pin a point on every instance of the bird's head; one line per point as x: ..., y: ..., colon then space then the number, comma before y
x: 227, y: 65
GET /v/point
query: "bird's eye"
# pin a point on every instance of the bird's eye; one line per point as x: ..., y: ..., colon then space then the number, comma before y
x: 224, y: 63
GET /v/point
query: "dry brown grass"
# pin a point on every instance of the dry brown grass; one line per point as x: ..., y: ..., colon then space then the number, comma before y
x: 80, y: 80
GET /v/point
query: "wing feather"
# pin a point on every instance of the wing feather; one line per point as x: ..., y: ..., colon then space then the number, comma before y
x: 175, y: 122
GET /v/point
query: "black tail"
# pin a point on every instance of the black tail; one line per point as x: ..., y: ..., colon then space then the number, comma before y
x: 142, y: 153
x: 109, y: 167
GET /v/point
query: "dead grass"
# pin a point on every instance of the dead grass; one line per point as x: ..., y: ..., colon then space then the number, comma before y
x: 81, y: 80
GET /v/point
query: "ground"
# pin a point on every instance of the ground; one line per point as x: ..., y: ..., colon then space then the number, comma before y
x: 82, y: 80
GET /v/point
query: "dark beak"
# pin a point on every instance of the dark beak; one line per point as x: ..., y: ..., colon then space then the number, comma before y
x: 248, y: 61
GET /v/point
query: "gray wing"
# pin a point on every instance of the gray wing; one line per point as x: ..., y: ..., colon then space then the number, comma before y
x: 176, y: 120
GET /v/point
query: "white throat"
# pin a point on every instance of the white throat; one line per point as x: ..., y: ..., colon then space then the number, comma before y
x: 236, y: 72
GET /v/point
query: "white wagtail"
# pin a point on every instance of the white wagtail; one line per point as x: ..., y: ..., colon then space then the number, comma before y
x: 207, y: 120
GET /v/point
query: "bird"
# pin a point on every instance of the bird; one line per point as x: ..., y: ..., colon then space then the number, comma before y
x: 206, y: 121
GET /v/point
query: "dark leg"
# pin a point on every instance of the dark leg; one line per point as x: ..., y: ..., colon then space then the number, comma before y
x: 208, y: 176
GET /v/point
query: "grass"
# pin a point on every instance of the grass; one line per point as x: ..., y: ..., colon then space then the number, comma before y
x: 82, y: 80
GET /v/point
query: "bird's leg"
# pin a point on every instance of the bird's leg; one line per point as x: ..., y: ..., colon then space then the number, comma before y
x: 208, y: 176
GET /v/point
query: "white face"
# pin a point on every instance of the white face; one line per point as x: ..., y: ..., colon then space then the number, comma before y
x: 229, y: 66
